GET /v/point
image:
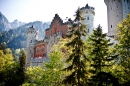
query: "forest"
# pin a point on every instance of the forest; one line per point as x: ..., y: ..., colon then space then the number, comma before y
x: 95, y: 61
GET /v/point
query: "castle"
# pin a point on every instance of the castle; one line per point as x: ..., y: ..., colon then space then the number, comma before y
x: 117, y: 10
x: 37, y: 51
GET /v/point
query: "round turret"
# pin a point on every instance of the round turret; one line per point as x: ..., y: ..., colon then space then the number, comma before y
x: 88, y: 13
x: 31, y: 40
x: 31, y: 36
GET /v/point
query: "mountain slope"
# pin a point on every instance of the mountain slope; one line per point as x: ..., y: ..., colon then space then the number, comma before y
x: 16, y: 38
x: 4, y: 23
x: 16, y: 24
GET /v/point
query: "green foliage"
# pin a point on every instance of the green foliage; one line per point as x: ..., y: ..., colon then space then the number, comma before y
x: 2, y: 46
x: 34, y: 75
x: 123, y: 49
x: 9, y: 69
x: 100, y: 57
x: 53, y: 68
x: 77, y: 58
x: 29, y: 84
x: 50, y: 74
x: 22, y: 60
x: 123, y: 36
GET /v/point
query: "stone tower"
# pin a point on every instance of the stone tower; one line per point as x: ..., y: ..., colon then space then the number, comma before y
x: 88, y: 13
x: 117, y: 10
x: 31, y: 40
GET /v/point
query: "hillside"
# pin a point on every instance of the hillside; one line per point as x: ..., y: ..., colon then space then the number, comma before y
x: 16, y: 38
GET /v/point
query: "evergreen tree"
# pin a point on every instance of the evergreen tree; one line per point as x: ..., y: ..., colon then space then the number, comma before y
x: 9, y: 69
x: 21, y: 70
x: 100, y: 57
x: 22, y: 60
x: 123, y: 47
x: 77, y: 58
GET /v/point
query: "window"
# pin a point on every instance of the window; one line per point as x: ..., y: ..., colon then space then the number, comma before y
x: 117, y: 15
x: 88, y: 18
x: 31, y: 41
x: 88, y: 30
x: 111, y: 26
x: 111, y: 8
x: 117, y: 6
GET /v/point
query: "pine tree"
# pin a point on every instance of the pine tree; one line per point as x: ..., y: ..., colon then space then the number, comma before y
x: 21, y: 70
x: 77, y: 58
x: 22, y: 60
x: 100, y: 57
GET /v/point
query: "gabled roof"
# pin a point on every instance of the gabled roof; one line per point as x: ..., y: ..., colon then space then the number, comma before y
x: 56, y: 17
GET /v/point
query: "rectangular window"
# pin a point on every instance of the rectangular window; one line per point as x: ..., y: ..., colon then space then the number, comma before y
x: 87, y: 18
x: 111, y: 26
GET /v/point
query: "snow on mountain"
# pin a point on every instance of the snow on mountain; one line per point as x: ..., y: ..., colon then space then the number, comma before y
x: 16, y: 23
x: 4, y: 23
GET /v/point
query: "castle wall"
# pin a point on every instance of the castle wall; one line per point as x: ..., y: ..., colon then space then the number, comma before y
x: 64, y: 30
x: 37, y: 52
x: 56, y: 31
x: 116, y: 12
x: 31, y: 40
x: 40, y: 50
x: 88, y: 14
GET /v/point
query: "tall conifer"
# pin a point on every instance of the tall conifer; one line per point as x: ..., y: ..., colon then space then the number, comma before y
x: 77, y: 58
x: 100, y: 57
x: 22, y: 66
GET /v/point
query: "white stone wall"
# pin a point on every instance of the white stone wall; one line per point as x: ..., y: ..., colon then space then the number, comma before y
x: 116, y: 12
x: 53, y: 40
x: 88, y: 13
x: 31, y: 40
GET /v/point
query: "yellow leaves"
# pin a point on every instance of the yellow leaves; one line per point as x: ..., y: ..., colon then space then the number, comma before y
x: 120, y: 25
x: 35, y: 73
x: 5, y: 60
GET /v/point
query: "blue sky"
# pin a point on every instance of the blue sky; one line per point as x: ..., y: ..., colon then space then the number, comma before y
x: 44, y: 10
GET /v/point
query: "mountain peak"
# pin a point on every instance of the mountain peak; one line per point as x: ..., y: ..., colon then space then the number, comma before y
x: 15, y: 20
x: 4, y: 23
x: 16, y: 23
